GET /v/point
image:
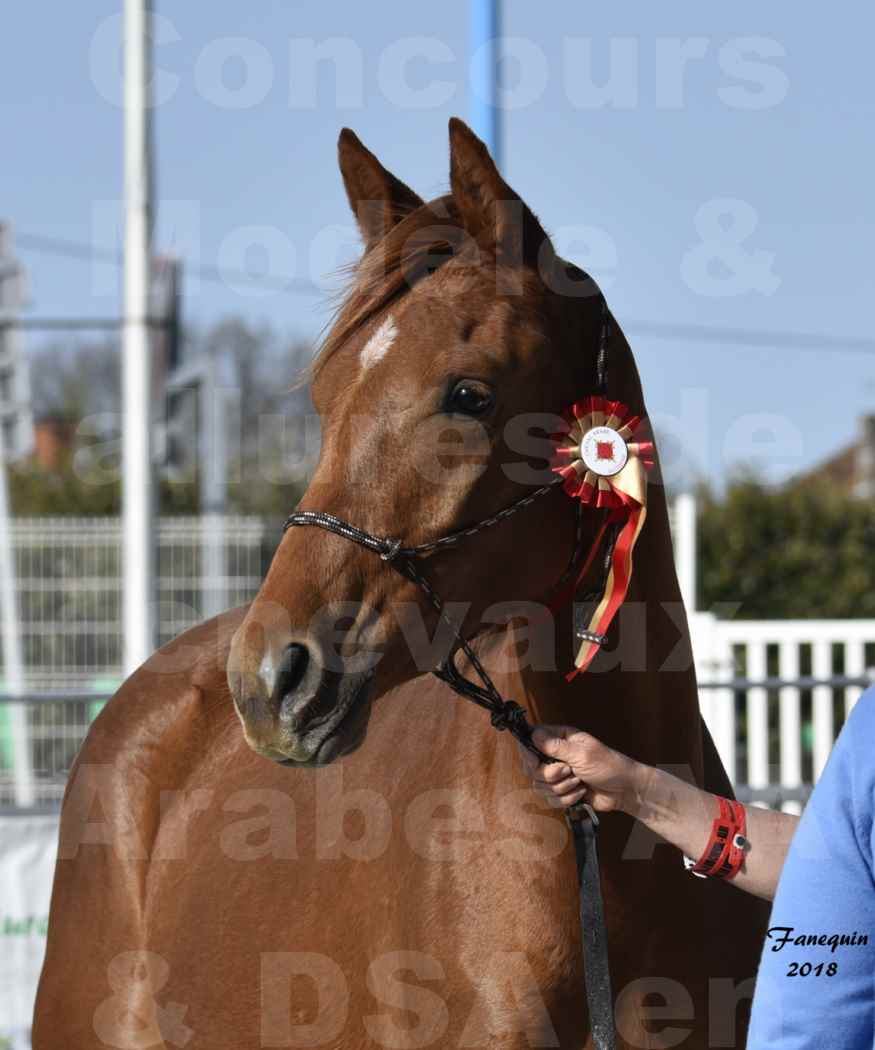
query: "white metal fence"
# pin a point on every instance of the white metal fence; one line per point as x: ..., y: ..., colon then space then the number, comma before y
x: 774, y: 693
x: 68, y: 579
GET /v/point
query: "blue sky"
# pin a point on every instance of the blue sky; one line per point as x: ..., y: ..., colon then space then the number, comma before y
x: 772, y: 116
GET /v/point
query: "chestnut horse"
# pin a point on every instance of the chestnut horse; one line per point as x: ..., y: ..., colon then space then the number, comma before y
x: 365, y: 865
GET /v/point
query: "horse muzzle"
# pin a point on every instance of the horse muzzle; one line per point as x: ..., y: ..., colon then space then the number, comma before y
x: 294, y: 709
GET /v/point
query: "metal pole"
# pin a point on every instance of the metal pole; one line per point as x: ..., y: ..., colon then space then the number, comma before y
x: 485, y: 115
x: 17, y: 724
x: 16, y: 438
x: 213, y: 482
x: 138, y: 509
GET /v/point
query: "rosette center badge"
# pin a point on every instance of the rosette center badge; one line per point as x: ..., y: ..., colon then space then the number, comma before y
x: 603, y: 451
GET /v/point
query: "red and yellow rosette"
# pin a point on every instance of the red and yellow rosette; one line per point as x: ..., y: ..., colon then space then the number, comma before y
x: 604, y: 463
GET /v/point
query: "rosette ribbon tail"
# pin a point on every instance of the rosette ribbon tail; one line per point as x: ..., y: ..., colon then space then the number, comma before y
x: 616, y: 588
x: 630, y: 484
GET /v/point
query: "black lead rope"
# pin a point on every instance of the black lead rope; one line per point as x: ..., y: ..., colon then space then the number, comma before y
x: 510, y: 716
x: 593, y: 928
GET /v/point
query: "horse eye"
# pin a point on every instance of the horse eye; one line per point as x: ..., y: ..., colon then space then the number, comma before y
x: 469, y: 398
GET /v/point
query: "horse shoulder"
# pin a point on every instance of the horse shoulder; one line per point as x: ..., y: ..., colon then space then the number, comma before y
x: 135, y: 763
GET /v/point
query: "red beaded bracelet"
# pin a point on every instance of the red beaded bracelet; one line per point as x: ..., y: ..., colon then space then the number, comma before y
x: 724, y: 854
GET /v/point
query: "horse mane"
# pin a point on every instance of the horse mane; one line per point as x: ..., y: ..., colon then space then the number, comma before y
x: 414, y: 248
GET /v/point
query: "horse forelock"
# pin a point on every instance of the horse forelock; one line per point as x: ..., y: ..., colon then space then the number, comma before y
x: 422, y: 243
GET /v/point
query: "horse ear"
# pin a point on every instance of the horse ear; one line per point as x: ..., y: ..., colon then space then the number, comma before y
x: 378, y: 200
x: 492, y: 213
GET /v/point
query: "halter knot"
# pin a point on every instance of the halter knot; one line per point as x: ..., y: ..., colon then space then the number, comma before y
x: 390, y: 550
x: 510, y: 716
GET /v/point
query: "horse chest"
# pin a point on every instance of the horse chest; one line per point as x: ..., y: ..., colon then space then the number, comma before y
x: 431, y: 910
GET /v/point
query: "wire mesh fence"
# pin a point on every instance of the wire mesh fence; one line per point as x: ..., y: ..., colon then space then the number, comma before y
x: 53, y: 729
x: 68, y: 578
x: 69, y: 589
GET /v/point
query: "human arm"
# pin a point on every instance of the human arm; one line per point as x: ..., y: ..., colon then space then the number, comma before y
x: 677, y: 811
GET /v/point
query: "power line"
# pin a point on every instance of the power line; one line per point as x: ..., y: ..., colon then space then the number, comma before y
x: 74, y: 324
x: 682, y: 332
x: 750, y: 336
x: 206, y: 272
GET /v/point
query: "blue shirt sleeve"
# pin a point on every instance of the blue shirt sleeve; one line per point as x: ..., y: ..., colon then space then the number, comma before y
x: 816, y: 981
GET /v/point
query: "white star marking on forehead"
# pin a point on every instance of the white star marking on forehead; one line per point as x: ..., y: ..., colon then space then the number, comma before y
x: 378, y: 345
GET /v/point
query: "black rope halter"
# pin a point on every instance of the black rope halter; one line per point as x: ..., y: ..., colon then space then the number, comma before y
x: 504, y: 714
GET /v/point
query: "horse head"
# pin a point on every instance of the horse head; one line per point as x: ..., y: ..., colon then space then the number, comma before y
x: 461, y: 340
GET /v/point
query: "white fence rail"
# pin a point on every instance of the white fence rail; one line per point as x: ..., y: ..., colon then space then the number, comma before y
x: 794, y: 683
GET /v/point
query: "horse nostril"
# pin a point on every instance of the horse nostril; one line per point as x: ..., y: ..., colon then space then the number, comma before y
x: 292, y: 668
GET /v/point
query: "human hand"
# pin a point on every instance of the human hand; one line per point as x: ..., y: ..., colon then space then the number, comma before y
x: 586, y: 770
